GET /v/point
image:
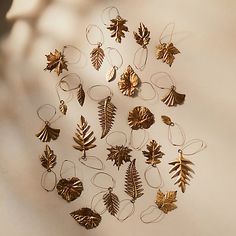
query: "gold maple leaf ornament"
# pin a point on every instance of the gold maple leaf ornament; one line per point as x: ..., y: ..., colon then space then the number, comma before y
x: 56, y: 62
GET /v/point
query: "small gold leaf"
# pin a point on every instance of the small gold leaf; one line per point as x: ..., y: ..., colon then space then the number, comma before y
x: 81, y: 95
x: 143, y: 35
x: 63, y: 107
x: 167, y: 120
x: 47, y: 133
x: 111, y: 74
x: 48, y: 159
x: 111, y: 202
x: 173, y: 98
x: 97, y: 56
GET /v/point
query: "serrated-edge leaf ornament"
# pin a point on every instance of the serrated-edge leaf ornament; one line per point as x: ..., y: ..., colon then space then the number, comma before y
x: 112, y: 202
x: 48, y: 159
x: 143, y: 35
x: 97, y: 55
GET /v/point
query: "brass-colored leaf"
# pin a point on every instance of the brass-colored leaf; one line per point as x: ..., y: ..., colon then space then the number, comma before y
x: 133, y: 184
x: 173, y: 98
x: 167, y: 120
x: 117, y: 27
x: 153, y: 153
x: 106, y: 113
x: 70, y: 189
x: 47, y: 133
x: 119, y: 154
x: 84, y: 138
x: 48, y: 159
x: 166, y: 202
x: 81, y: 95
x: 97, y: 56
x: 143, y: 35
x: 129, y: 82
x: 140, y: 118
x: 181, y: 170
x: 63, y: 107
x: 166, y: 52
x: 111, y: 202
x: 56, y: 62
x: 111, y: 74
x: 87, y: 217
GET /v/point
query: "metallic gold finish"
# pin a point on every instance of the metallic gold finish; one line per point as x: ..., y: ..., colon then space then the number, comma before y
x: 166, y: 202
x: 166, y: 52
x: 117, y: 27
x: 167, y: 120
x: 70, y: 189
x: 181, y: 170
x: 47, y: 133
x: 56, y: 62
x: 133, y: 184
x: 119, y: 154
x: 111, y: 74
x: 129, y: 82
x: 140, y: 118
x: 81, y: 95
x: 63, y: 107
x: 84, y: 139
x: 173, y: 98
x: 106, y: 113
x: 111, y: 202
x: 153, y: 153
x: 48, y: 159
x: 97, y: 55
x: 87, y: 217
x: 143, y: 35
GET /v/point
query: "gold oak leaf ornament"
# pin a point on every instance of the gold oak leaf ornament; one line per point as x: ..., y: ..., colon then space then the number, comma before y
x: 143, y: 35
x: 129, y: 82
x: 97, y: 55
x: 117, y: 27
x: 119, y: 154
x: 153, y: 153
x: 47, y: 133
x: 173, y: 98
x: 166, y: 202
x: 111, y: 201
x: 84, y: 138
x: 81, y: 95
x: 56, y: 62
x: 106, y: 113
x: 48, y: 159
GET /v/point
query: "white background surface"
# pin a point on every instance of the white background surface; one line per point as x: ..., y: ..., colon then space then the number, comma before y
x: 205, y: 71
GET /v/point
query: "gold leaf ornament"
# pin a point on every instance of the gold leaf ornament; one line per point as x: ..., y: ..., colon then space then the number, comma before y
x: 143, y: 35
x: 111, y: 74
x: 111, y: 202
x: 48, y: 159
x: 63, y: 107
x: 81, y: 95
x: 47, y: 133
x: 97, y: 55
x: 167, y: 120
x: 173, y: 98
x: 56, y: 62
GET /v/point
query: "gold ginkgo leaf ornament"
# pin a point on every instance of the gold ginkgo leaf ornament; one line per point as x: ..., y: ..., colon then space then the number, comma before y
x: 48, y: 133
x: 143, y: 35
x: 173, y: 98
x: 48, y: 158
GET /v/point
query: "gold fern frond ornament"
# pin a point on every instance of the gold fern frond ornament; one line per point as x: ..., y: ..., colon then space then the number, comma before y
x: 133, y: 183
x: 48, y: 159
x: 173, y: 98
x: 84, y: 138
x: 153, y: 153
x: 97, y: 55
x: 181, y: 170
x: 143, y: 35
x: 48, y: 133
x: 106, y: 113
x: 81, y: 95
x: 111, y: 201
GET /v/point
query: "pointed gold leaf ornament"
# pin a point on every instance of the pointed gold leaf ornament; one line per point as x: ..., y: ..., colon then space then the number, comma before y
x: 81, y: 95
x: 117, y: 28
x: 47, y: 133
x: 143, y: 35
x: 48, y: 159
x: 63, y: 107
x: 106, y: 113
x: 181, y: 170
x: 97, y: 55
x: 56, y: 62
x: 166, y: 202
x: 173, y: 98
x: 111, y: 202
x: 111, y: 74
x: 129, y: 82
x: 167, y: 120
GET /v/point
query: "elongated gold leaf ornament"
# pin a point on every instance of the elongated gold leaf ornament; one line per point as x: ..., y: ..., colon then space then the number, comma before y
x: 84, y: 138
x: 106, y: 113
x: 129, y: 82
x: 56, y: 62
x: 181, y: 170
x: 81, y: 95
x: 117, y: 28
x: 63, y: 107
x: 87, y: 217
x: 119, y: 154
x: 173, y: 98
x: 111, y: 202
x: 153, y: 153
x: 167, y: 120
x: 47, y: 133
x: 48, y: 159
x: 70, y: 189
x: 133, y: 184
x: 97, y: 55
x: 166, y: 202
x: 143, y: 35
x: 111, y: 74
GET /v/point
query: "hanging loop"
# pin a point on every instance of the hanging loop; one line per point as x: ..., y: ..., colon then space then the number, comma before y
x: 171, y: 34
x: 147, y: 98
x: 89, y: 29
x: 52, y: 116
x: 181, y: 132
x: 149, y: 168
x: 63, y: 80
x: 98, y: 86
x: 147, y: 212
x: 109, y: 10
x: 62, y: 165
x: 144, y: 141
x: 129, y: 202
x: 43, y: 179
x: 94, y: 178
x: 98, y: 166
x: 202, y: 145
x: 66, y: 47
x: 69, y: 97
x: 142, y: 59
x: 165, y: 75
x: 120, y: 132
x: 94, y: 206
x: 109, y: 59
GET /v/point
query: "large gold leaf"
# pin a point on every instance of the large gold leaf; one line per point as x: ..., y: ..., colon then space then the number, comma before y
x: 81, y: 95
x: 173, y: 98
x: 111, y: 202
x: 97, y: 56
x: 143, y: 35
x: 48, y: 159
x: 47, y: 133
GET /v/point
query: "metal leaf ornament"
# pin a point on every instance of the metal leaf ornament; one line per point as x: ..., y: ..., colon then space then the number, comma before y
x: 70, y: 189
x: 47, y: 133
x: 111, y: 202
x: 153, y: 153
x: 167, y: 120
x: 133, y: 184
x: 106, y: 113
x: 140, y: 118
x: 63, y: 107
x: 119, y: 154
x: 166, y: 202
x: 56, y: 62
x: 117, y: 28
x: 84, y: 138
x: 48, y: 159
x: 143, y: 35
x: 81, y: 95
x: 129, y: 82
x: 181, y: 170
x: 173, y: 98
x: 97, y: 55
x: 166, y: 52
x: 87, y: 217
x: 111, y: 74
